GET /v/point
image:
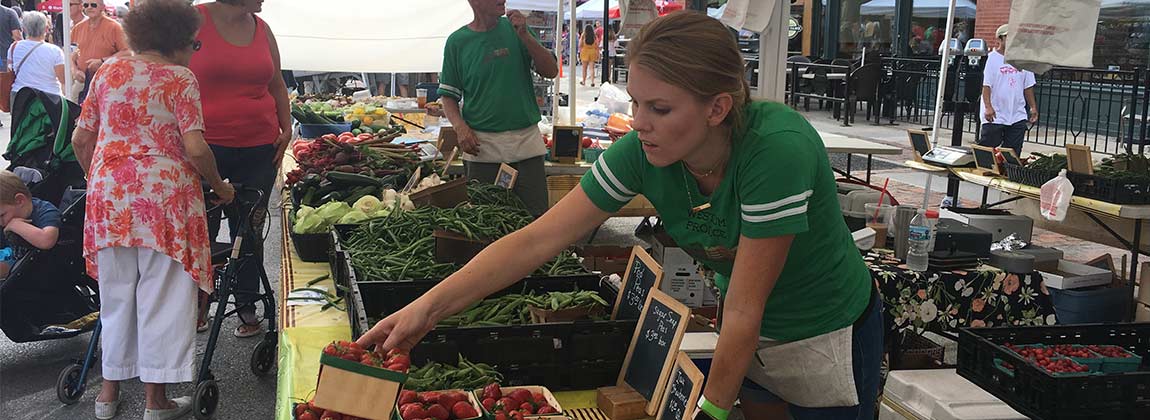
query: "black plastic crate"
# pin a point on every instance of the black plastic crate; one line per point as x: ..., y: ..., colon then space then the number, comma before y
x: 559, y: 345
x: 1027, y: 176
x: 1038, y: 394
x: 1109, y: 190
x: 312, y: 247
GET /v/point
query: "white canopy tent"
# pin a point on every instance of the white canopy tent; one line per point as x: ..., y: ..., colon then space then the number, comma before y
x: 381, y: 36
x: 963, y: 9
x: 532, y: 5
x: 592, y: 9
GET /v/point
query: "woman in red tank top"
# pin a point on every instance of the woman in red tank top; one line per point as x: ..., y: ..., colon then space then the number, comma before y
x: 247, y: 119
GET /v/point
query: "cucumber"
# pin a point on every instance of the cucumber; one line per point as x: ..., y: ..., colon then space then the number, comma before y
x: 350, y: 179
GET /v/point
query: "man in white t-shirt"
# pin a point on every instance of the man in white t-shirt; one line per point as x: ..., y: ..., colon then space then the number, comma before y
x: 1006, y: 94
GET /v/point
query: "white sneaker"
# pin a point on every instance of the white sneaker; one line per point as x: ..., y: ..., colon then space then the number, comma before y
x: 183, y: 406
x: 107, y: 410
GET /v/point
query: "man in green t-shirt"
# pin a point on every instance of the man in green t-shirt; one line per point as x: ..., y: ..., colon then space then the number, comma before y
x: 487, y: 65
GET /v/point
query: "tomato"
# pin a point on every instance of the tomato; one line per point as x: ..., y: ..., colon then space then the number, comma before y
x: 586, y: 142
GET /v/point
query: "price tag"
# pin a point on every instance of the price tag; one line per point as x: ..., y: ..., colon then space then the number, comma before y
x: 507, y: 176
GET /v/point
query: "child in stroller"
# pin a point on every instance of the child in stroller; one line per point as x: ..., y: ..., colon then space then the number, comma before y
x: 28, y: 220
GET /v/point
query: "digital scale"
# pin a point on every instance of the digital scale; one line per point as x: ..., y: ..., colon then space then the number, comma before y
x: 949, y: 156
x: 938, y: 155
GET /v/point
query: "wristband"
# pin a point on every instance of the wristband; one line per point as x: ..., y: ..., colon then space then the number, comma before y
x: 713, y: 410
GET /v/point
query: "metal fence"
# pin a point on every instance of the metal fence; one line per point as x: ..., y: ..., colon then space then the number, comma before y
x: 1102, y: 109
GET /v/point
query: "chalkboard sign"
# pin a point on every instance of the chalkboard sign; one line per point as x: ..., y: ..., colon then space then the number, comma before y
x: 566, y: 144
x: 643, y: 275
x: 919, y: 142
x: 984, y: 159
x: 653, y: 346
x: 1009, y: 156
x: 683, y: 390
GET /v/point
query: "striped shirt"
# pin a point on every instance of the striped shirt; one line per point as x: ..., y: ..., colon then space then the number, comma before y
x: 779, y: 183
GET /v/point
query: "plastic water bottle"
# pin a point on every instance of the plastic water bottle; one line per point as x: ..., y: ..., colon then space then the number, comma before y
x: 920, y: 236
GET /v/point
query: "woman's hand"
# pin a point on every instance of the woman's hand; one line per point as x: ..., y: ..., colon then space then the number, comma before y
x: 402, y: 329
x: 225, y: 191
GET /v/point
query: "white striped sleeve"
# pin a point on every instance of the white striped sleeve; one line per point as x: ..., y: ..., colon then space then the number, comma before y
x: 614, y: 179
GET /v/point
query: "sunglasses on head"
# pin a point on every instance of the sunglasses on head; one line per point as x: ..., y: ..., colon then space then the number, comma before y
x: 91, y: 5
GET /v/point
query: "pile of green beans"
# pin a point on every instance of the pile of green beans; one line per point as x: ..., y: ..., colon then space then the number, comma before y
x: 482, y: 193
x: 513, y: 309
x: 400, y: 246
x: 436, y: 376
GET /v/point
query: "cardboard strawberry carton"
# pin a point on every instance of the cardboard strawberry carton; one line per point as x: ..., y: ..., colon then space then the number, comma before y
x: 451, y: 404
x: 359, y: 382
x: 519, y: 403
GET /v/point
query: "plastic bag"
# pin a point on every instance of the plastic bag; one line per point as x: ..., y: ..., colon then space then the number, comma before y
x: 1055, y: 197
x: 616, y: 100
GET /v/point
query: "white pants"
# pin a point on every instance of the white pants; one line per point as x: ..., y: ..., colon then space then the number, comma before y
x: 148, y: 313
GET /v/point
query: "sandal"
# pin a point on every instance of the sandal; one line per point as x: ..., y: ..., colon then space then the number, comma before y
x: 204, y: 324
x: 240, y: 333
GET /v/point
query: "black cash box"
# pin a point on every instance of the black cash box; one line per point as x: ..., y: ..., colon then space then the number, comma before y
x: 955, y: 236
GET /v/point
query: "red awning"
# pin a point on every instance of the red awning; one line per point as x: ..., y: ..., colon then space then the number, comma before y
x: 57, y: 6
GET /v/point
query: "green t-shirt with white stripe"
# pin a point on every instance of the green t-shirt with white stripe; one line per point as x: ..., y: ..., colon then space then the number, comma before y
x: 779, y: 182
x: 491, y: 73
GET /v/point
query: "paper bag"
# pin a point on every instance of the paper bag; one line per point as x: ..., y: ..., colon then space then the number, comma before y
x: 752, y: 15
x: 636, y: 13
x: 1047, y: 33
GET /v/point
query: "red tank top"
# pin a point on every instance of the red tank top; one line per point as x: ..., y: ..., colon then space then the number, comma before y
x: 239, y: 111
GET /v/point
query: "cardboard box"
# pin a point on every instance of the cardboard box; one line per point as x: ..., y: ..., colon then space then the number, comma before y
x: 605, y: 259
x: 1071, y: 275
x: 682, y: 279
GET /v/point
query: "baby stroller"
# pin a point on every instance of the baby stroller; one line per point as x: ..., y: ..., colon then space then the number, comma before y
x: 41, y: 147
x: 227, y: 261
x: 47, y: 292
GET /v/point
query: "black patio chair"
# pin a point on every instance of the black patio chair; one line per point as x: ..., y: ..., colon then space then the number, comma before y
x: 863, y: 84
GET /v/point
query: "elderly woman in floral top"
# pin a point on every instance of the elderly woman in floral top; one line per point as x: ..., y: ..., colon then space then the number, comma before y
x: 140, y: 140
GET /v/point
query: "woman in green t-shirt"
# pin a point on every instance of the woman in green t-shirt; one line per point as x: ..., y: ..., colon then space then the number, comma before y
x: 747, y: 189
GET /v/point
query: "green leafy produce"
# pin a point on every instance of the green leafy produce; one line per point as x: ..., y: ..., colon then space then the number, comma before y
x: 436, y: 376
x: 1126, y: 168
x: 1054, y: 162
x: 352, y: 217
x: 368, y: 204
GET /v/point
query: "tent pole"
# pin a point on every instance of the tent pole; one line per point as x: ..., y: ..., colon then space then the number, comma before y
x: 773, y: 54
x: 558, y: 44
x: 67, y: 31
x: 571, y: 79
x: 606, y: 58
x: 942, y: 74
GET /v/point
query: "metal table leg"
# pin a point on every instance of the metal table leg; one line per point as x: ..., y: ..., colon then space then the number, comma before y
x: 869, y: 163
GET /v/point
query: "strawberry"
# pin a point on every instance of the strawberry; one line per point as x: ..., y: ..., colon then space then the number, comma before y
x: 546, y: 409
x: 492, y: 391
x: 308, y: 415
x: 527, y: 406
x: 412, y: 411
x: 299, y: 409
x: 463, y: 410
x: 429, y: 397
x: 521, y: 396
x: 406, y: 397
x: 538, y: 398
x: 516, y: 415
x: 489, y: 404
x: 331, y: 415
x: 438, y: 412
x: 507, y: 403
x: 501, y: 416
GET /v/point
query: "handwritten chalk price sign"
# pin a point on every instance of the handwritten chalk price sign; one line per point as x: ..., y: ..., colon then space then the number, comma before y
x: 683, y: 390
x: 653, y: 347
x: 643, y: 275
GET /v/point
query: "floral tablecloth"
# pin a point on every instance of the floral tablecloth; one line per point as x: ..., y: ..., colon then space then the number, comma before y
x: 943, y: 301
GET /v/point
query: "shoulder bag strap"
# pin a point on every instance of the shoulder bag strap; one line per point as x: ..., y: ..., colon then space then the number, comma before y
x: 16, y: 71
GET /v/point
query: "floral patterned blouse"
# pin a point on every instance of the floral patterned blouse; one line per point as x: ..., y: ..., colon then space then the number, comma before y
x: 143, y: 190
